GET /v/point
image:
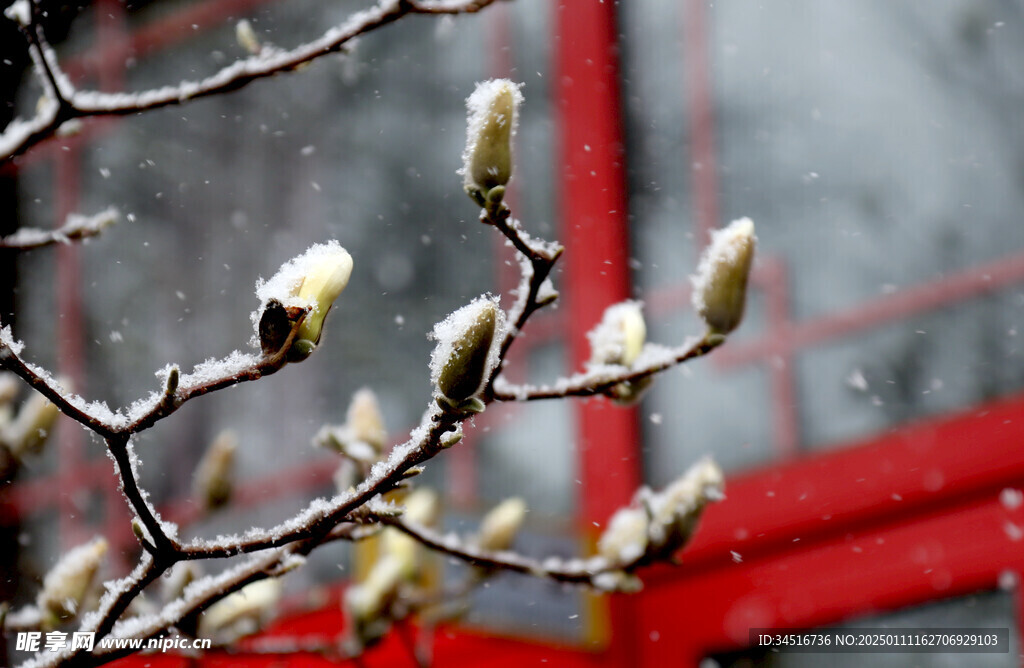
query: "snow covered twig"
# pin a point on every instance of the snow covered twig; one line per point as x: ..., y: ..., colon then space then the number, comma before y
x: 67, y: 103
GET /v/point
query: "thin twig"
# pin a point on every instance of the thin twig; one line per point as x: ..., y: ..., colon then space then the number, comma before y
x: 588, y: 385
x: 75, y: 228
x: 571, y: 572
x: 21, y: 136
x: 317, y: 525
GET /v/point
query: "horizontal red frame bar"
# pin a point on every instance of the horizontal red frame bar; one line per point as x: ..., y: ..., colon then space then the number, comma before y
x: 910, y: 469
x: 955, y: 552
x: 978, y: 279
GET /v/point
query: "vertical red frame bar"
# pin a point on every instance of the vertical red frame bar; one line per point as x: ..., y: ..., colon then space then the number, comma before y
x: 596, y: 233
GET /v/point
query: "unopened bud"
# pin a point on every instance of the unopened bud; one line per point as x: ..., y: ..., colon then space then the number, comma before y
x: 214, y: 480
x: 68, y: 582
x: 619, y: 339
x: 310, y: 282
x: 367, y: 602
x: 180, y: 576
x: 487, y: 160
x: 8, y: 387
x: 501, y: 524
x: 625, y: 538
x: 450, y: 438
x: 720, y: 285
x: 364, y: 420
x: 246, y: 37
x: 242, y: 612
x: 464, y: 356
x: 422, y: 507
x: 676, y: 509
x: 171, y: 382
x: 29, y: 431
x: 620, y: 336
x: 629, y: 392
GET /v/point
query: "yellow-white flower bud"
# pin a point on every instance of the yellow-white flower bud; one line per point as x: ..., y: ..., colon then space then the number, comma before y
x: 364, y: 420
x: 367, y: 602
x: 619, y: 337
x: 214, y: 480
x: 242, y: 612
x: 500, y: 526
x: 68, y: 582
x: 464, y: 355
x: 422, y: 507
x: 8, y: 387
x: 625, y: 538
x: 246, y: 37
x: 28, y: 433
x: 180, y: 576
x: 676, y: 509
x: 325, y: 281
x: 487, y: 160
x: 720, y: 285
x: 311, y: 281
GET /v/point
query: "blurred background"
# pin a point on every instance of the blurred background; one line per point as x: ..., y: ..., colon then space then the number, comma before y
x: 868, y: 413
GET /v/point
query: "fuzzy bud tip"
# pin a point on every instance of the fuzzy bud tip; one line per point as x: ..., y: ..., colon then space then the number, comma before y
x: 487, y: 160
x: 720, y: 285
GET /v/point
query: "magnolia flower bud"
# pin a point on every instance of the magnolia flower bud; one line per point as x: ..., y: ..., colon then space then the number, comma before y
x: 464, y: 356
x: 28, y: 433
x: 676, y: 509
x: 180, y: 576
x: 619, y: 339
x: 487, y: 160
x: 213, y: 482
x: 365, y: 421
x: 242, y: 612
x: 720, y: 285
x: 422, y: 507
x: 8, y: 387
x: 625, y: 538
x: 67, y: 583
x: 311, y: 281
x: 367, y: 602
x: 246, y: 37
x: 500, y: 526
x: 620, y: 336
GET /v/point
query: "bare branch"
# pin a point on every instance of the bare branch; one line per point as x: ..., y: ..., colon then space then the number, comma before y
x: 77, y: 227
x: 316, y: 522
x: 20, y: 136
x: 600, y: 381
x: 576, y: 571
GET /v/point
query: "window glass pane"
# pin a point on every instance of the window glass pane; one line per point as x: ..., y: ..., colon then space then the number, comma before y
x: 876, y: 149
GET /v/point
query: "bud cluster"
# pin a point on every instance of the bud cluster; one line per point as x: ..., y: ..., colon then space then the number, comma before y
x: 371, y: 603
x: 660, y: 523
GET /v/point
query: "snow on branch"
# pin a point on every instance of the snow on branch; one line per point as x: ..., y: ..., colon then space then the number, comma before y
x: 77, y: 227
x: 70, y: 103
x: 465, y: 371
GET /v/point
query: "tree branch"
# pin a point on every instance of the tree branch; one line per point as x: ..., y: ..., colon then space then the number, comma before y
x: 75, y: 228
x: 600, y: 381
x: 576, y: 571
x: 20, y: 136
